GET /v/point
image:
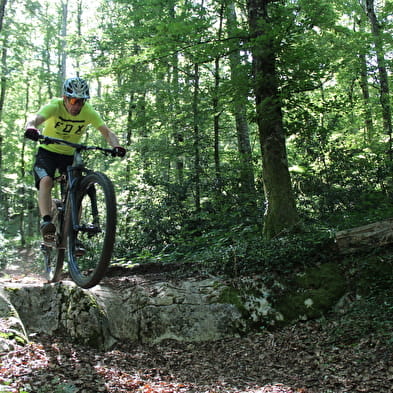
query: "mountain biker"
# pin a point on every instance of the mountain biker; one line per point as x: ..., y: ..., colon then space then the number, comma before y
x: 65, y: 118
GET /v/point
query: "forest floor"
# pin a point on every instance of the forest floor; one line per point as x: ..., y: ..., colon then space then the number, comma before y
x: 322, y: 356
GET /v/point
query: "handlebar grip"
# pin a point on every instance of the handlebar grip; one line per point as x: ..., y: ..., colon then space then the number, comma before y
x: 119, y: 151
x: 32, y: 133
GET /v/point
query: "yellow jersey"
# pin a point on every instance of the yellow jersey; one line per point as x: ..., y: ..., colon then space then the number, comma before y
x: 60, y: 124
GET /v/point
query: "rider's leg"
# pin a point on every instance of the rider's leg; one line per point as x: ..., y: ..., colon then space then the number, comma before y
x: 45, y: 197
x: 48, y: 228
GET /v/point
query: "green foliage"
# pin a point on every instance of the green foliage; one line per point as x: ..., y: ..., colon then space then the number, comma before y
x: 372, y: 271
x: 140, y: 59
x: 241, y: 250
x: 369, y: 316
x: 340, y: 181
x: 369, y: 309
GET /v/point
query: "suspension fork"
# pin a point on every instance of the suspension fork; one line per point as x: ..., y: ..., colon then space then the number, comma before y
x: 72, y: 183
x: 93, y: 198
x: 91, y: 192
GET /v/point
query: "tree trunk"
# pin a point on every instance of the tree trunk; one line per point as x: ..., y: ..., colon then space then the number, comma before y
x: 239, y: 109
x: 79, y: 33
x: 3, y: 86
x: 216, y: 110
x: 2, y: 11
x: 368, y: 117
x: 197, y: 160
x: 144, y: 134
x: 177, y: 132
x: 216, y: 124
x: 3, y: 3
x: 46, y: 59
x: 281, y: 214
x: 63, y: 35
x: 383, y: 75
x: 26, y: 200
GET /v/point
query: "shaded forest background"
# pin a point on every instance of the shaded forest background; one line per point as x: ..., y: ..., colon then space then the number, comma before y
x: 228, y: 109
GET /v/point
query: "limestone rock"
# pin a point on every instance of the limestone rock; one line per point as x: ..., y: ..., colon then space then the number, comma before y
x: 155, y: 308
x: 187, y: 311
x: 12, y: 331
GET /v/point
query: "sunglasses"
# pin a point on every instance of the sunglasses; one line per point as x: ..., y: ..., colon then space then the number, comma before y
x: 74, y: 101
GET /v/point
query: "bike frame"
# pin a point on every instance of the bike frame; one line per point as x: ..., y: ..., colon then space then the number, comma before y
x: 68, y: 194
x: 69, y: 198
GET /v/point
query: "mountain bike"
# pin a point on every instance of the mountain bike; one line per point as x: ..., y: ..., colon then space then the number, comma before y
x: 85, y: 220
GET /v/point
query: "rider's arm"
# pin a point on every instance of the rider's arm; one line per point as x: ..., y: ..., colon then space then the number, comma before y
x: 35, y: 122
x: 109, y: 136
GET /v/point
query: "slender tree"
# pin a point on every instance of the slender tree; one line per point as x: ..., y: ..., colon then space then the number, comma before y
x: 216, y: 107
x: 382, y: 71
x: 3, y: 85
x: 368, y: 116
x: 240, y: 88
x: 3, y: 4
x: 63, y: 42
x: 197, y: 148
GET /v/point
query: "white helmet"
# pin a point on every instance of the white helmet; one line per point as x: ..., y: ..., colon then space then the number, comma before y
x: 76, y: 88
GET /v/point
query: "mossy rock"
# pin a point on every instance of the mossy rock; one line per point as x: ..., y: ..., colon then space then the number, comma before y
x: 233, y: 296
x: 83, y: 319
x: 312, y: 293
x: 12, y: 331
x: 253, y: 303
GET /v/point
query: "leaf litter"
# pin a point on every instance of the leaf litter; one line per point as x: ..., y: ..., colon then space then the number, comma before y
x: 308, y: 357
x: 303, y: 358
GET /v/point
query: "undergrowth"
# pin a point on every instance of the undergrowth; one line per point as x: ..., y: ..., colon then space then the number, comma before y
x: 370, y: 307
x: 242, y: 251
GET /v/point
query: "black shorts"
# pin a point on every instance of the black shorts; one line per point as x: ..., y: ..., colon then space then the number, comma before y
x: 46, y: 163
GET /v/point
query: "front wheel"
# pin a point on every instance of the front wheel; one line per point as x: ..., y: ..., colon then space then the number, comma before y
x: 53, y: 262
x: 53, y: 254
x: 90, y: 242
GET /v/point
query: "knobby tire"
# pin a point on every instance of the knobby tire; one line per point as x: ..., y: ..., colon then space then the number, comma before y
x: 53, y: 256
x: 53, y: 262
x: 96, y: 207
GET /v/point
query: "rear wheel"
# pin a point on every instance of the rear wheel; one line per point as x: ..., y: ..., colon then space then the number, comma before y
x: 90, y: 243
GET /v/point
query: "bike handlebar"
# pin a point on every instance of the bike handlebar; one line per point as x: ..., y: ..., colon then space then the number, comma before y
x: 47, y: 140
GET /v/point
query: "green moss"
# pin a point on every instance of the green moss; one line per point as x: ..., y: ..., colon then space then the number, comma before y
x: 233, y: 296
x: 8, y: 313
x: 6, y: 335
x: 13, y: 335
x: 312, y: 293
x: 327, y: 274
x: 11, y: 289
x: 82, y: 300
